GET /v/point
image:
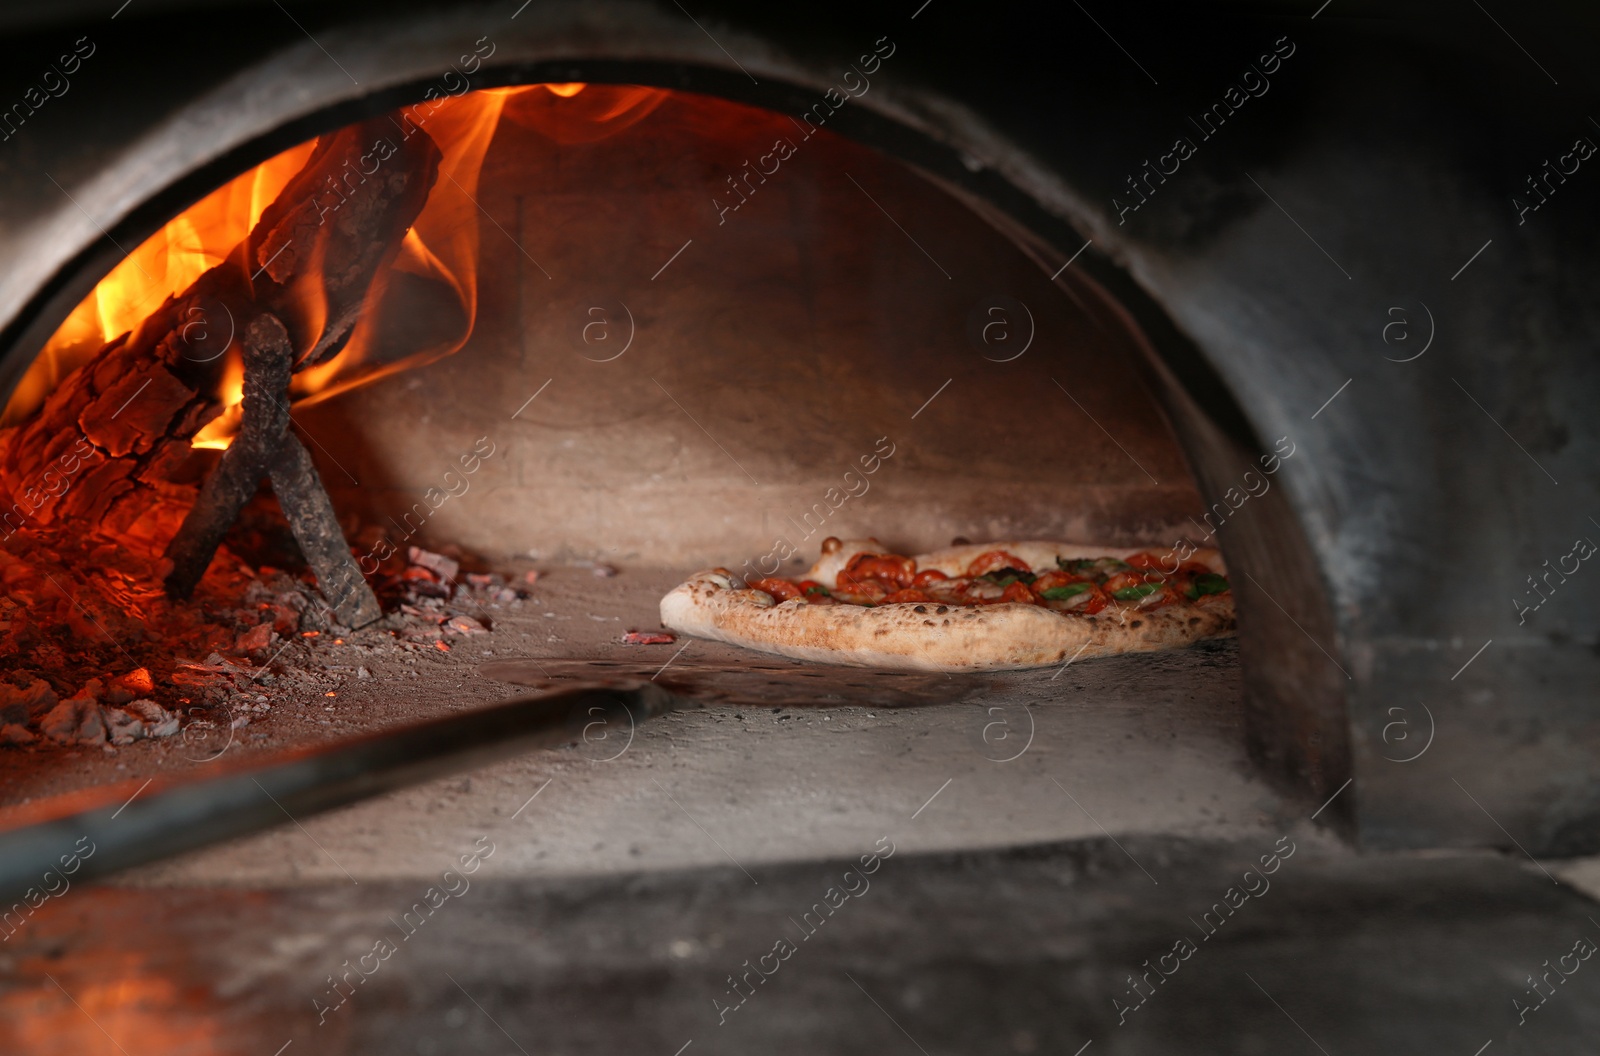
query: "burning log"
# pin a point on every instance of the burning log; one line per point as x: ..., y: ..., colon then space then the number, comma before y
x: 292, y: 292
x: 265, y: 447
x: 268, y: 359
x: 316, y: 528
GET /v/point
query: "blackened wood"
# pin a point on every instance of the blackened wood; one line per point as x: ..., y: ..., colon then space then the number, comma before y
x: 334, y: 226
x: 265, y: 447
x: 289, y: 294
x: 316, y: 528
x: 309, y: 260
x: 268, y: 359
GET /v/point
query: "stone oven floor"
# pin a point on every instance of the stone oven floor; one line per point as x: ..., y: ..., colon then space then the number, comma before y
x: 1039, y: 949
x: 1146, y: 744
x: 1043, y: 839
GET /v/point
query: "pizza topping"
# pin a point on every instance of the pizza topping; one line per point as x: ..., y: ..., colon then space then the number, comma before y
x: 863, y: 591
x: 1076, y: 587
x: 1097, y: 566
x: 1207, y: 582
x: 1019, y: 593
x: 892, y: 569
x: 815, y: 593
x: 780, y: 589
x: 978, y: 591
x: 997, y: 561
x: 949, y: 591
x: 1007, y: 576
x: 1145, y: 590
x: 1085, y: 603
x: 1051, y: 580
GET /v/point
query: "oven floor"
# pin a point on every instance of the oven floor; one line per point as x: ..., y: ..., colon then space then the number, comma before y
x: 761, y: 773
x: 1043, y: 839
x: 1042, y: 949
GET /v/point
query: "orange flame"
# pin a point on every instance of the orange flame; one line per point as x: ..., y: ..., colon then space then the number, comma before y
x: 582, y: 113
x: 165, y: 263
x: 218, y: 433
x: 441, y: 248
x: 437, y: 263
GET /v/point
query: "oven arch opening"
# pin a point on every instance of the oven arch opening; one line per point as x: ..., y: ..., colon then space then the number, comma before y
x: 1295, y: 719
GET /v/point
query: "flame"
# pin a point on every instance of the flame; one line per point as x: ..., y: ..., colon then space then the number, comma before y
x: 441, y: 248
x: 218, y: 433
x: 164, y: 264
x: 582, y: 113
x: 436, y: 267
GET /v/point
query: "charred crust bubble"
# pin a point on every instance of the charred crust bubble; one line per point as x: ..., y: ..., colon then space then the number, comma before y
x: 941, y: 610
x: 920, y: 608
x: 1136, y: 623
x: 1193, y: 620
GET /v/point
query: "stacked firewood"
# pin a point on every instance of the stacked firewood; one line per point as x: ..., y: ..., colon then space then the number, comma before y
x: 108, y: 448
x: 103, y: 520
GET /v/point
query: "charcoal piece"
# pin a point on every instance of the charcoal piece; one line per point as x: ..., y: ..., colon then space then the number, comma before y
x: 316, y: 528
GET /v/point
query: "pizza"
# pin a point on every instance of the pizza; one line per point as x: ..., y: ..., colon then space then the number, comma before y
x: 972, y: 607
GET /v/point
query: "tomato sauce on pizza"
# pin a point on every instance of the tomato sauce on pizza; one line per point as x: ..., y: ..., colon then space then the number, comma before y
x: 1081, y: 587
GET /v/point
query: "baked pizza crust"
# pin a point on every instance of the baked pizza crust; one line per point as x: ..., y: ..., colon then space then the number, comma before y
x: 926, y: 636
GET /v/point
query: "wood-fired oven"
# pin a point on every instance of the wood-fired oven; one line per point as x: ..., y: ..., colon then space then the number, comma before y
x: 366, y: 364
